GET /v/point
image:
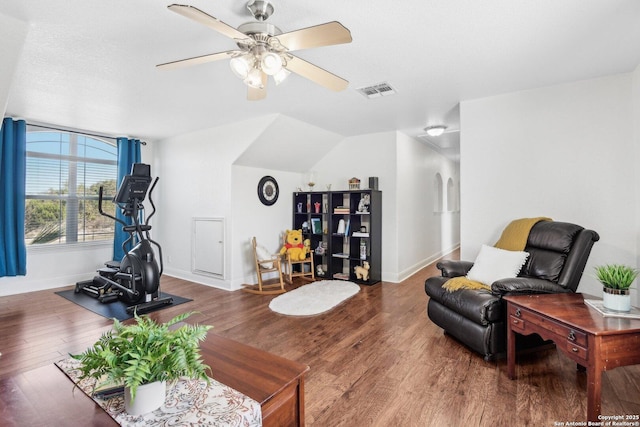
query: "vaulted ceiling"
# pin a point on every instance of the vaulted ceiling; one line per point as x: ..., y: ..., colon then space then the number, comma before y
x: 91, y: 64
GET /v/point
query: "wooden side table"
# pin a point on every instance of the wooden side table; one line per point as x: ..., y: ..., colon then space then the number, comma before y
x: 596, y: 342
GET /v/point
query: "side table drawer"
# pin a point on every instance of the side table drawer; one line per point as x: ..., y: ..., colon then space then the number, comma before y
x: 520, y: 318
x: 576, y: 337
x: 517, y: 324
x: 577, y: 351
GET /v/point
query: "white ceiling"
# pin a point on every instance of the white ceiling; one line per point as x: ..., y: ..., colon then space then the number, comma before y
x: 90, y: 64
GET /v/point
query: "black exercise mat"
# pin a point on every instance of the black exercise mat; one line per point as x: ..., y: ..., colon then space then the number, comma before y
x: 117, y: 309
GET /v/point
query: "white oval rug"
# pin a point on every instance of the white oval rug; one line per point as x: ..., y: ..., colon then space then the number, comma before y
x: 314, y: 298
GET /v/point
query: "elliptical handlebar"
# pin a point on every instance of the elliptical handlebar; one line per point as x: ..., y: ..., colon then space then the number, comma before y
x: 151, y: 201
x: 148, y: 227
x: 100, y: 192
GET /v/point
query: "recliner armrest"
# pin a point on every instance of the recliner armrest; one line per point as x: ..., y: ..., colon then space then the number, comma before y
x: 454, y: 268
x: 526, y: 285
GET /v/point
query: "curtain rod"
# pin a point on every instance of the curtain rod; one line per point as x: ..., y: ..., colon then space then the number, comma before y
x: 76, y: 131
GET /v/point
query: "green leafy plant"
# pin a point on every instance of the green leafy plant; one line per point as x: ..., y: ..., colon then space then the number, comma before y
x: 616, y: 276
x: 145, y: 352
x: 48, y: 233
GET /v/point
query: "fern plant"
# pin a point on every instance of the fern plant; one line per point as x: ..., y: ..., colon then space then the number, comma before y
x: 616, y: 276
x: 145, y: 352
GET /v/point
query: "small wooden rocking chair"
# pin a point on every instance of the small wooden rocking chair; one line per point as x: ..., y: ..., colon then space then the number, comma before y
x: 305, y: 269
x: 264, y: 266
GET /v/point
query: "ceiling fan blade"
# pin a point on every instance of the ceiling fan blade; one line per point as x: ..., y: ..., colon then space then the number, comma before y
x: 320, y: 35
x: 256, y: 94
x: 208, y: 20
x: 198, y: 60
x: 315, y: 74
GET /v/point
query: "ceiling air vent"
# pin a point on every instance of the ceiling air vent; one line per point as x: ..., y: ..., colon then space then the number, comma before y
x: 376, y: 91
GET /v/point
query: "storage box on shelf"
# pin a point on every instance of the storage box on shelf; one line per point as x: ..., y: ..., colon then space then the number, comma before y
x: 350, y: 233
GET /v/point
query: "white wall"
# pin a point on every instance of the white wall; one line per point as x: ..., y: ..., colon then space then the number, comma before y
x: 364, y: 156
x: 425, y: 231
x: 54, y: 267
x: 249, y: 217
x: 197, y: 181
x: 12, y: 36
x: 198, y: 178
x: 411, y: 233
x: 563, y: 152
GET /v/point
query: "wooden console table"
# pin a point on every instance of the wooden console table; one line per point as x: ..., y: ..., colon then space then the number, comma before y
x: 44, y: 395
x: 593, y: 341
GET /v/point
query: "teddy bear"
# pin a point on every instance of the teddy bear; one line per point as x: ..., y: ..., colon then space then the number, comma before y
x: 295, y: 245
x: 362, y: 272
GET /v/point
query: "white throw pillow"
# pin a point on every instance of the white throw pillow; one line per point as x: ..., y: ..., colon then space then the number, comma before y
x: 493, y: 264
x: 263, y: 254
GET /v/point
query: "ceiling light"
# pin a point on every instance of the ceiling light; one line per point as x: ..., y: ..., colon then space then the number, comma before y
x: 271, y: 63
x: 254, y: 79
x: 281, y: 75
x: 435, y: 130
x: 242, y: 65
x: 250, y: 70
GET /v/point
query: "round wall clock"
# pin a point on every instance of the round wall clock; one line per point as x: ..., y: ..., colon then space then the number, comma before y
x: 268, y: 190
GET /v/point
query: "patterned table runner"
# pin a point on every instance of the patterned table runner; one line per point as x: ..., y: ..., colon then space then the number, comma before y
x: 188, y: 403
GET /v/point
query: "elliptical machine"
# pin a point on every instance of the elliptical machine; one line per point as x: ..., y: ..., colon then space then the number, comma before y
x: 135, y: 280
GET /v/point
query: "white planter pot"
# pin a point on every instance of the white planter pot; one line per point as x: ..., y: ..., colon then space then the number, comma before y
x: 149, y: 397
x: 616, y: 299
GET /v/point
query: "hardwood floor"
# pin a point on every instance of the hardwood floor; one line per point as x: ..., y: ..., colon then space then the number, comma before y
x: 375, y: 360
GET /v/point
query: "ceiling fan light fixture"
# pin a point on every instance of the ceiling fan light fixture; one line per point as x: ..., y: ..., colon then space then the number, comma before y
x: 281, y: 75
x: 271, y: 63
x: 263, y: 48
x: 435, y: 130
x: 254, y: 79
x: 242, y: 65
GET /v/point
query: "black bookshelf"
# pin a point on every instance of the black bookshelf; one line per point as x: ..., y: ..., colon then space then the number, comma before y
x: 339, y: 249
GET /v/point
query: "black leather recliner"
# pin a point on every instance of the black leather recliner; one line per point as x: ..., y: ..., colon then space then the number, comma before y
x: 558, y: 253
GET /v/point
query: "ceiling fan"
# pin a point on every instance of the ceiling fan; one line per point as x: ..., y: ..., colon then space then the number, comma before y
x: 264, y: 50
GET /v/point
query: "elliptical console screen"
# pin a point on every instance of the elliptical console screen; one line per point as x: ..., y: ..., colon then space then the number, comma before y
x: 135, y: 185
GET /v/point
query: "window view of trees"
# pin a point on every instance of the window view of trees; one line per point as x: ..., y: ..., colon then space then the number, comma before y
x: 65, y: 171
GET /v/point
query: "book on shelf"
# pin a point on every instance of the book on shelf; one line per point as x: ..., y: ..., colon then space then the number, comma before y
x: 341, y: 276
x: 359, y: 234
x: 634, y: 313
x: 316, y: 226
x: 341, y: 255
x: 341, y: 210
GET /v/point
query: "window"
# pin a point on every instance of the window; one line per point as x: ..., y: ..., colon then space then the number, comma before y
x: 64, y: 173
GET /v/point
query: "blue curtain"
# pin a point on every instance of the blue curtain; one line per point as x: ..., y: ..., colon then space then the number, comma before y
x: 128, y: 154
x: 13, y: 163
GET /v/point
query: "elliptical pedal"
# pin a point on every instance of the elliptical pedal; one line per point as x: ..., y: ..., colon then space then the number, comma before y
x: 146, y: 307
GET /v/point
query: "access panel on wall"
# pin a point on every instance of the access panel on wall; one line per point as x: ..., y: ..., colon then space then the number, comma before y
x: 207, y: 252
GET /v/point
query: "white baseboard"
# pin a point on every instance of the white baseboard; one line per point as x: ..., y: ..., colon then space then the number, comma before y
x: 410, y: 271
x: 198, y: 278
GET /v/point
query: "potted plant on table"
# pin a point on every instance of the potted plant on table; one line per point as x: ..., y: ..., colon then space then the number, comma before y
x: 616, y: 280
x: 143, y: 356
